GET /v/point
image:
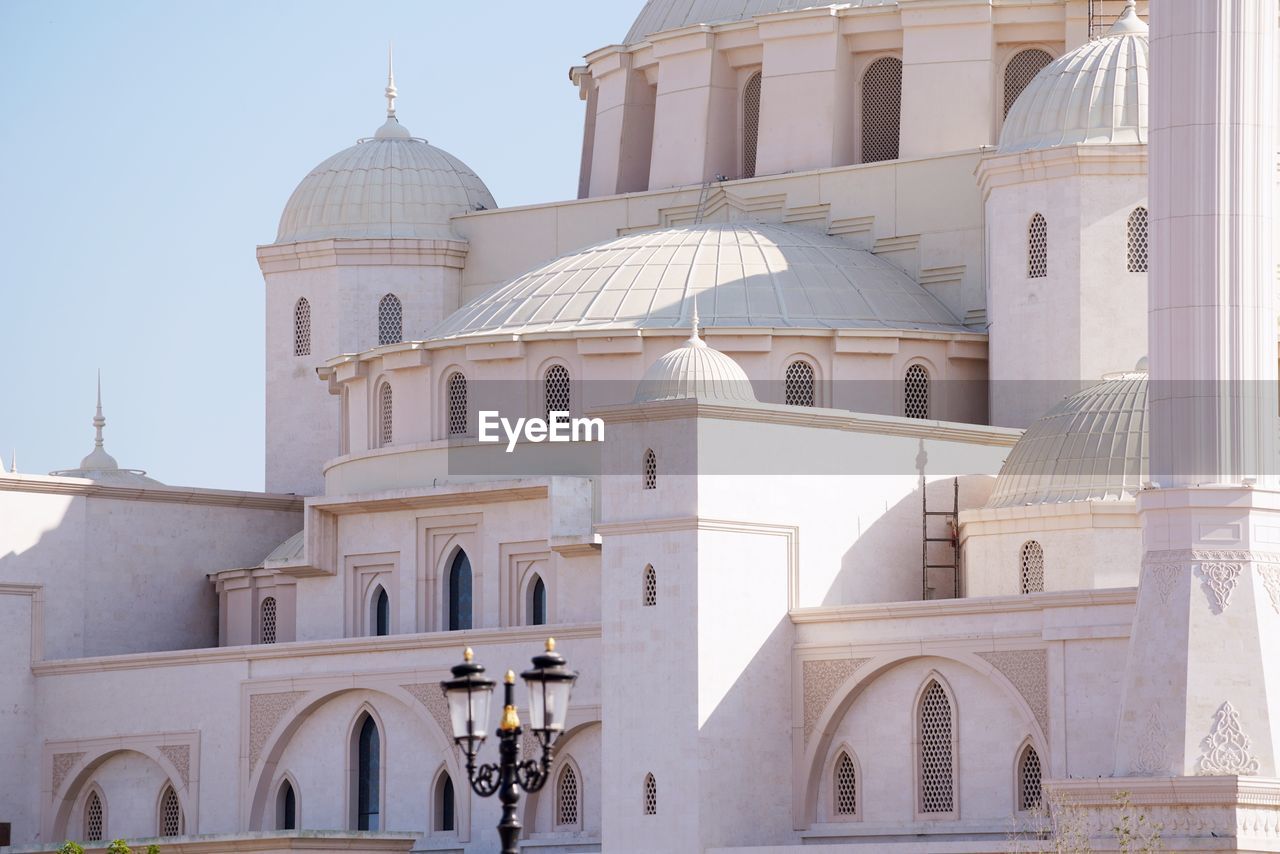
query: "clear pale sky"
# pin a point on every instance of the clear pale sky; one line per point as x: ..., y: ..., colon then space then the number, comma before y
x: 148, y: 147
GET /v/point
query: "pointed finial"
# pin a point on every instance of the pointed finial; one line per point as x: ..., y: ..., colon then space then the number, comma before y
x: 693, y: 324
x: 13, y: 462
x: 391, y: 82
x: 98, y: 421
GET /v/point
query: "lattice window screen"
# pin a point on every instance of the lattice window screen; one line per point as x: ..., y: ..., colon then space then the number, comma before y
x: 390, y: 320
x: 456, y: 391
x: 1032, y: 574
x: 567, y: 797
x: 936, y: 763
x: 1139, y: 231
x: 1038, y: 248
x: 170, y: 813
x: 750, y: 125
x: 649, y: 593
x: 650, y: 795
x: 1029, y: 791
x: 799, y: 384
x: 384, y: 415
x: 881, y: 109
x: 1020, y: 71
x: 846, y: 786
x: 269, y: 620
x: 556, y: 389
x: 915, y: 392
x: 650, y: 469
x: 93, y: 818
x: 302, y: 327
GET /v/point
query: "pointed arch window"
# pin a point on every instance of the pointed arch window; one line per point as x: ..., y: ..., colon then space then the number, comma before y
x: 95, y: 818
x: 1021, y: 70
x: 268, y: 620
x: 881, y: 109
x: 557, y: 391
x: 844, y: 786
x: 1031, y: 575
x: 650, y: 469
x: 1038, y: 247
x: 390, y: 320
x: 456, y: 394
x: 915, y: 392
x: 1138, y: 234
x: 935, y: 738
x: 446, y: 817
x: 170, y: 819
x: 1030, y: 776
x: 368, y: 794
x: 799, y: 390
x: 302, y: 327
x: 286, y: 807
x: 385, y: 415
x: 380, y: 612
x: 750, y: 124
x: 650, y: 795
x: 460, y: 592
x: 536, y: 606
x: 649, y: 589
x: 568, y: 798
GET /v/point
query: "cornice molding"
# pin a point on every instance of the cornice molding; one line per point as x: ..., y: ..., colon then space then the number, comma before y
x: 335, y: 251
x: 975, y: 605
x: 164, y: 494
x: 1065, y: 161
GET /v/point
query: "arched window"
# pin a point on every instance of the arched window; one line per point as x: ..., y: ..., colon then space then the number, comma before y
x: 385, y: 408
x: 556, y: 390
x: 456, y: 391
x: 567, y: 797
x: 1038, y: 248
x: 1032, y: 568
x: 1138, y: 240
x: 750, y: 124
x: 799, y: 384
x: 1020, y: 71
x: 170, y: 819
x: 915, y: 392
x: 460, y: 592
x: 650, y: 795
x: 650, y: 469
x: 881, y: 109
x: 286, y: 807
x: 536, y: 606
x: 649, y: 592
x: 390, y: 320
x: 95, y: 818
x: 380, y: 612
x: 368, y: 794
x: 446, y: 805
x: 844, y: 785
x: 302, y: 327
x: 268, y: 629
x: 1029, y: 777
x: 937, y: 750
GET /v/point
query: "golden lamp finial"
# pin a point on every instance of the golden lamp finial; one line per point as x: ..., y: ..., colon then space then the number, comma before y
x: 551, y: 644
x: 467, y: 655
x: 510, y: 678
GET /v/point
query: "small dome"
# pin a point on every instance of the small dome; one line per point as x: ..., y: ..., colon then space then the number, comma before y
x: 101, y: 467
x: 1093, y: 95
x: 694, y: 370
x: 288, y: 551
x: 660, y: 15
x: 1092, y: 446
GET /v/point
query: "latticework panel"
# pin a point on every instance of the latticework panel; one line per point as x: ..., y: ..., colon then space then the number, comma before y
x: 881, y: 109
x: 567, y: 797
x: 1139, y: 240
x: 650, y: 795
x: 649, y: 593
x: 456, y: 391
x: 385, y: 435
x: 1029, y: 791
x: 915, y: 392
x: 269, y: 620
x: 170, y: 813
x: 93, y: 818
x: 1032, y: 570
x: 390, y: 320
x: 845, y: 784
x: 650, y: 469
x: 799, y: 384
x: 556, y: 389
x: 302, y: 327
x: 936, y: 765
x: 1038, y: 248
x: 750, y: 125
x: 1020, y: 71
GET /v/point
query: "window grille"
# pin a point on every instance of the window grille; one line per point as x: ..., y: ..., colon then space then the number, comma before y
x: 368, y: 776
x: 457, y: 404
x: 650, y: 594
x: 650, y: 795
x: 170, y: 813
x: 1029, y: 791
x: 269, y: 620
x: 799, y: 384
x: 750, y: 124
x: 1019, y: 73
x: 567, y: 797
x: 650, y: 469
x: 385, y: 435
x: 881, y: 109
x: 556, y: 390
x: 390, y: 320
x: 846, y: 786
x: 936, y: 764
x: 915, y: 392
x: 93, y: 818
x: 302, y: 327
x: 1032, y: 575
x: 1138, y: 240
x: 1038, y: 248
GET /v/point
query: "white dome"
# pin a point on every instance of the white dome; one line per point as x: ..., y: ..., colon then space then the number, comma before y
x: 742, y: 275
x: 660, y: 15
x: 694, y: 370
x: 1091, y: 446
x: 391, y: 185
x: 1093, y: 95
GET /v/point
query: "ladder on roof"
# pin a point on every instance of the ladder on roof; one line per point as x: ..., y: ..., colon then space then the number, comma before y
x: 951, y: 537
x: 703, y: 196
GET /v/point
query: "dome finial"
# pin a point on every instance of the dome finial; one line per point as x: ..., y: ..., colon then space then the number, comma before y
x: 1129, y: 23
x: 391, y: 81
x: 13, y: 462
x: 98, y: 421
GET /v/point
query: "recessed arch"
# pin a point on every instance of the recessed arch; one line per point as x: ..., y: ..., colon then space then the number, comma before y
x: 70, y: 794
x: 456, y: 410
x: 800, y: 382
x: 1037, y: 247
x: 170, y: 820
x: 881, y: 109
x: 385, y: 415
x: 569, y: 789
x: 535, y: 607
x: 458, y: 592
x: 267, y: 620
x: 390, y: 320
x: 444, y: 802
x: 649, y: 586
x: 936, y: 749
x: 378, y: 611
x: 751, y: 123
x: 843, y: 780
x: 917, y: 387
x: 1137, y: 240
x: 302, y: 327
x: 94, y: 815
x: 1028, y: 778
x: 1020, y: 70
x: 649, y: 468
x: 557, y: 389
x: 288, y: 812
x: 1031, y: 567
x: 366, y: 770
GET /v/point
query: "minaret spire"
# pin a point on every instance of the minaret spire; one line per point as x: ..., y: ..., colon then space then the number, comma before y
x: 391, y: 81
x: 98, y: 421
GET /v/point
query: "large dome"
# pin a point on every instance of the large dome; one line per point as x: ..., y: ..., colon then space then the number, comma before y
x: 660, y: 15
x: 742, y: 275
x: 1091, y: 446
x: 1095, y: 94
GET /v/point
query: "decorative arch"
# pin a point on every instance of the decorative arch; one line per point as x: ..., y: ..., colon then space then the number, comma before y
x: 68, y: 795
x: 390, y: 320
x: 444, y: 802
x: 535, y: 601
x: 917, y: 385
x: 366, y: 770
x: 800, y: 382
x: 93, y: 814
x: 459, y: 602
x: 567, y: 809
x: 843, y: 776
x: 564, y: 754
x: 170, y: 819
x: 456, y: 421
x: 267, y: 620
x: 1028, y: 777
x: 881, y: 109
x: 285, y: 810
x: 557, y: 389
x: 936, y: 748
x: 384, y: 416
x: 750, y: 124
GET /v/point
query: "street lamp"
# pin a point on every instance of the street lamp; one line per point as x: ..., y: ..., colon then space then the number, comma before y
x: 469, y: 695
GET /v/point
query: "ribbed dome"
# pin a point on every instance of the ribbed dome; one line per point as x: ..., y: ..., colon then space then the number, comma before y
x: 742, y: 275
x: 1091, y: 446
x: 660, y: 15
x: 1094, y: 95
x: 694, y: 370
x: 390, y: 185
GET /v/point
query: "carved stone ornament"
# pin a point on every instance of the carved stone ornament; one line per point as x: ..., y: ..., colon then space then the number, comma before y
x: 265, y: 711
x: 1153, y: 749
x: 180, y: 756
x: 1220, y: 581
x: 1270, y: 575
x: 1028, y: 670
x: 1164, y: 577
x: 431, y: 695
x: 822, y: 678
x: 62, y: 765
x: 1226, y: 747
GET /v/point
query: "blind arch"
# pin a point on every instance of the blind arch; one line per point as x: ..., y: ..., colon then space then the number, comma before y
x: 750, y: 124
x: 881, y: 109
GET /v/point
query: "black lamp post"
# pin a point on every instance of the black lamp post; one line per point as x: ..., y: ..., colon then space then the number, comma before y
x: 469, y: 695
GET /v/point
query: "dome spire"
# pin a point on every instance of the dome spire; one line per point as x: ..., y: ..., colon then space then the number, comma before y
x: 98, y: 420
x: 694, y: 339
x: 391, y: 81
